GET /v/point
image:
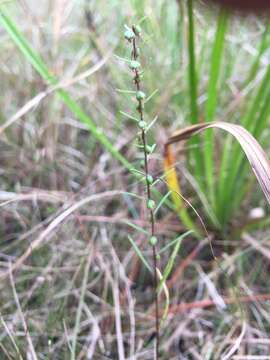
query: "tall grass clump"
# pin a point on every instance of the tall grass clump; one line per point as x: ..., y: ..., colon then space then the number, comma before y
x: 222, y: 182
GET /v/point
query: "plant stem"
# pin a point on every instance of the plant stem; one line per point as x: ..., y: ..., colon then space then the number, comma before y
x: 137, y: 80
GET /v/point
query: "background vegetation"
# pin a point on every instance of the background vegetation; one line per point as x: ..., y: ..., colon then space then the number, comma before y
x: 72, y: 284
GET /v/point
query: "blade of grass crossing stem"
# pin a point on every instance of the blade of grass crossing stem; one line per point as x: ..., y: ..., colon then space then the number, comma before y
x: 212, y: 98
x: 140, y: 254
x: 167, y: 297
x: 136, y: 227
x: 229, y: 179
x: 193, y: 92
x: 41, y: 68
x: 162, y: 202
x: 173, y: 242
x: 171, y: 261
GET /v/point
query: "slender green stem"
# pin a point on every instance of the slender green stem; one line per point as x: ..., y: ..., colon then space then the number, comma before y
x: 140, y: 107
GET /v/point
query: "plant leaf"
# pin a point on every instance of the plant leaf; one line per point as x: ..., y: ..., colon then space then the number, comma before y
x: 212, y: 99
x: 171, y: 261
x: 254, y: 152
x: 174, y: 187
x: 140, y: 254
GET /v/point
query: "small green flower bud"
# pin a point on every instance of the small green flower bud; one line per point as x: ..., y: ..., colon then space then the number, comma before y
x: 158, y: 257
x: 129, y: 35
x: 137, y: 30
x: 151, y: 204
x: 149, y: 179
x: 153, y: 240
x: 135, y: 65
x: 142, y: 125
x: 140, y: 95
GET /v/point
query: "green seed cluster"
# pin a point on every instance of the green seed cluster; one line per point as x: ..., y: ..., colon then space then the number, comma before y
x: 131, y: 35
x: 134, y: 65
x: 153, y: 240
x: 151, y: 204
x: 137, y: 30
x: 140, y: 95
x: 142, y: 125
x: 149, y: 179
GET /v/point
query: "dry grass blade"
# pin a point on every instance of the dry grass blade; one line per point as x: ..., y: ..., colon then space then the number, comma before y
x: 237, y: 343
x: 65, y: 83
x: 55, y: 223
x: 24, y: 324
x: 254, y: 152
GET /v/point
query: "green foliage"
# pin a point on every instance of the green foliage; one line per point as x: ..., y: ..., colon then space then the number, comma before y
x: 140, y: 254
x: 212, y: 99
x: 224, y: 185
x: 168, y: 268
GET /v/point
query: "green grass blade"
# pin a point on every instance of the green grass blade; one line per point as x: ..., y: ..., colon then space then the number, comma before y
x: 136, y: 227
x: 140, y: 254
x: 192, y: 64
x: 249, y: 120
x: 25, y: 47
x: 167, y: 246
x: 260, y: 125
x: 80, y: 308
x: 212, y: 98
x: 215, y: 66
x: 193, y: 91
x: 231, y: 173
x: 42, y: 69
x: 171, y: 260
x: 164, y: 198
